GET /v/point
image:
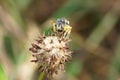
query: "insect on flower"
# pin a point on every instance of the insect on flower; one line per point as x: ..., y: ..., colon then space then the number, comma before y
x: 52, y: 50
x: 62, y: 27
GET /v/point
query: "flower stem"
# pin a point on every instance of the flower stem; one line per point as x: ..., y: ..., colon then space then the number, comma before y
x: 41, y: 76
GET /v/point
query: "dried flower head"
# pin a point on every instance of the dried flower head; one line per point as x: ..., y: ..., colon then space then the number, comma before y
x: 51, y: 53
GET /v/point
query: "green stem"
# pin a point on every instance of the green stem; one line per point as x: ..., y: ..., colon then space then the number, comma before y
x: 41, y: 76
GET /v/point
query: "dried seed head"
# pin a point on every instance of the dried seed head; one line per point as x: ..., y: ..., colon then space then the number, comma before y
x: 51, y: 54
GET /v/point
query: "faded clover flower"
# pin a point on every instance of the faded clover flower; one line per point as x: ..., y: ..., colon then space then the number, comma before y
x: 51, y: 54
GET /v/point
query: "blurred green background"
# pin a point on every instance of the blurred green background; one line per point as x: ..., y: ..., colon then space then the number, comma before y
x: 95, y: 37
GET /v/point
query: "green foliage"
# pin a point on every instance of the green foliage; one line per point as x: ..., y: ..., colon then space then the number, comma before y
x: 9, y: 48
x: 115, y: 65
x: 70, y: 7
x: 74, y: 68
x: 23, y: 4
x: 3, y: 75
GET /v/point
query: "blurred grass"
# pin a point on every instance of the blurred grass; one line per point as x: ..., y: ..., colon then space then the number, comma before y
x: 3, y: 75
x: 115, y: 64
x: 19, y: 31
x: 74, y: 68
x: 102, y: 30
x: 9, y: 48
x: 70, y: 7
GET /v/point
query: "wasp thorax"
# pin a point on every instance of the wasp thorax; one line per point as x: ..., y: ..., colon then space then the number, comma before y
x: 51, y: 53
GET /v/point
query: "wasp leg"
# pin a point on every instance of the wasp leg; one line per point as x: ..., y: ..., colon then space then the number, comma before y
x: 66, y: 34
x: 54, y: 28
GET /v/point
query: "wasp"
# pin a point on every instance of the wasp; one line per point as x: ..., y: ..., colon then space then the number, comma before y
x: 62, y: 28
